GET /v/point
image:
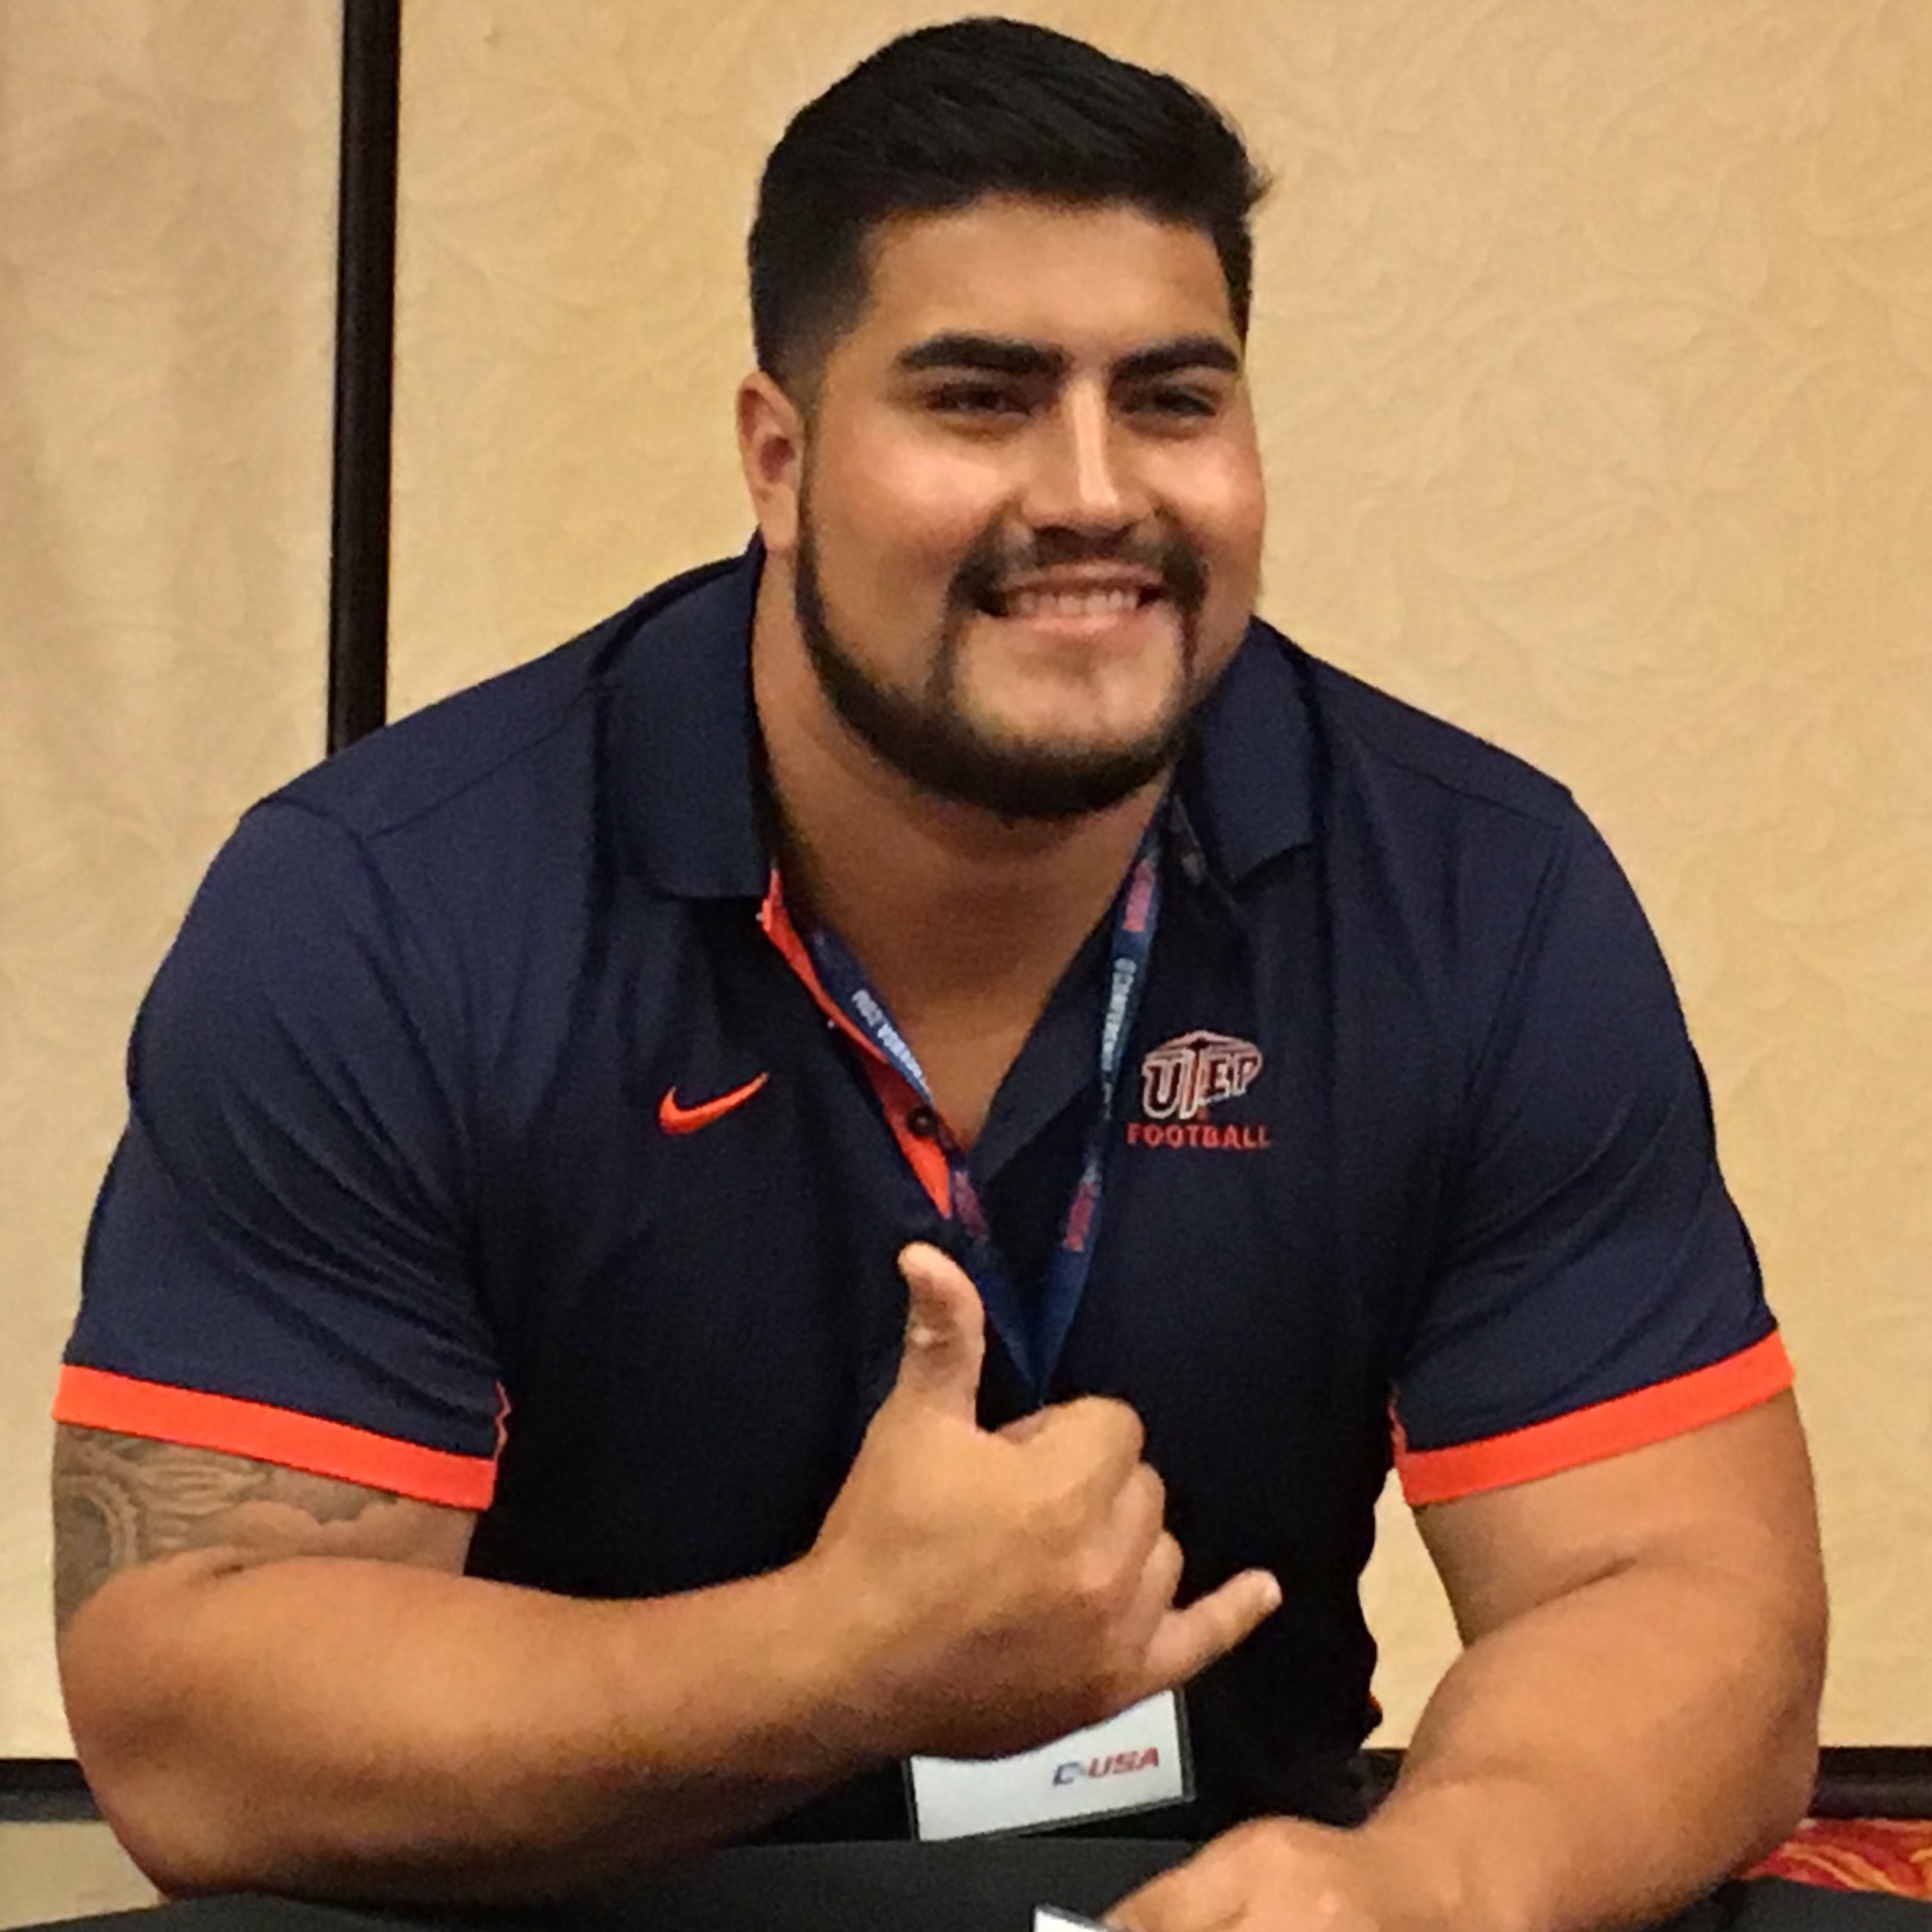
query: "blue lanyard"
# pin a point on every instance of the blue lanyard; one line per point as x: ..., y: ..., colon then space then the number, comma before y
x: 1034, y: 1339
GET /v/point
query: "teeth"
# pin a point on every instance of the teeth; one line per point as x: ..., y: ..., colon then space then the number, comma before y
x: 1098, y: 602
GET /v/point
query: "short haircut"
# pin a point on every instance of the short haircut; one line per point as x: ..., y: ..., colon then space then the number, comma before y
x: 940, y: 117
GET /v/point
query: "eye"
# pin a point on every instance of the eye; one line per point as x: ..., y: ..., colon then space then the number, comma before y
x: 975, y: 398
x: 1176, y: 401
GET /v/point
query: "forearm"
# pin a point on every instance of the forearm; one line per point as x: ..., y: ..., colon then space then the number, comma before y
x: 1607, y: 1757
x: 281, y: 1681
x: 354, y: 1728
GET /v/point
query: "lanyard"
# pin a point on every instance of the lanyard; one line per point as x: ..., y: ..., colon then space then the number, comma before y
x: 1034, y: 1338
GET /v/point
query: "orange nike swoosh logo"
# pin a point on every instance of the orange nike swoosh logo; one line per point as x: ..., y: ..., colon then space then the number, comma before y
x: 675, y: 1119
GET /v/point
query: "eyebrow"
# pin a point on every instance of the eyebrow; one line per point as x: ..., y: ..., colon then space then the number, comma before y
x: 1013, y: 356
x: 1170, y: 358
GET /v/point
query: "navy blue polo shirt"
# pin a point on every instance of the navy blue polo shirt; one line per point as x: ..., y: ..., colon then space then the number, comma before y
x: 490, y: 1142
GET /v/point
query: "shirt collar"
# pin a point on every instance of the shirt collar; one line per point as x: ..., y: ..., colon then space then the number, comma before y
x: 1246, y: 784
x: 685, y: 762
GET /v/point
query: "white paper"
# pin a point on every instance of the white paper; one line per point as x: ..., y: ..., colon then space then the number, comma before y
x: 1132, y: 1761
x: 1050, y: 1918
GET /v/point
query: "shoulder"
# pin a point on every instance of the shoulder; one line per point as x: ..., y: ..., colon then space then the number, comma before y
x: 481, y: 741
x: 1400, y: 810
x: 1450, y: 873
x: 498, y: 796
x: 455, y: 850
x: 1382, y: 738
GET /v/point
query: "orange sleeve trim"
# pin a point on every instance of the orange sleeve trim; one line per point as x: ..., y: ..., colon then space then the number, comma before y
x: 95, y: 1398
x: 1605, y: 1429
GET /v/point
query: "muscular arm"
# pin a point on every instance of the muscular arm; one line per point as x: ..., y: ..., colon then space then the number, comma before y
x: 279, y: 1682
x: 120, y: 1501
x: 1635, y: 1714
x: 276, y: 1679
x: 1634, y: 1717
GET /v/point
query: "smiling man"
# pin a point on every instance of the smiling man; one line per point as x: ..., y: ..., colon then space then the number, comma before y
x: 865, y: 1169
x: 949, y: 496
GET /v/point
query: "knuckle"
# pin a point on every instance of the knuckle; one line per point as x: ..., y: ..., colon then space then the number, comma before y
x: 1127, y: 1425
x: 1151, y: 1490
x: 1064, y: 1521
x: 1096, y: 1584
x: 1109, y: 1421
x: 1166, y: 1562
x: 1251, y: 1835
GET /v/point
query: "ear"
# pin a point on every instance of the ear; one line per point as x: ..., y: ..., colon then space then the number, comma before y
x: 771, y: 448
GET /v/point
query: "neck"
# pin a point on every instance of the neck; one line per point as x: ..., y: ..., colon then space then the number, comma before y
x: 952, y: 910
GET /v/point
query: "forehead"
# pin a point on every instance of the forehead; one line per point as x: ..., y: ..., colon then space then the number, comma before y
x: 1099, y: 279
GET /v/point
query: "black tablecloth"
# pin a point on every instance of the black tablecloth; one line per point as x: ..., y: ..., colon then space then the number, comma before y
x: 903, y: 1888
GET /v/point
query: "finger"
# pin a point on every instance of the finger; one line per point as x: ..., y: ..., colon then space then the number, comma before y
x: 1152, y: 1601
x: 1096, y: 1440
x: 1174, y: 1907
x: 1202, y: 1895
x: 1135, y: 1528
x: 1023, y: 1428
x: 1160, y: 1577
x: 1188, y: 1640
x: 945, y: 1332
x: 1168, y: 1914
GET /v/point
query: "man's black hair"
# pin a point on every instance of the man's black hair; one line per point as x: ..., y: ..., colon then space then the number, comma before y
x: 944, y: 114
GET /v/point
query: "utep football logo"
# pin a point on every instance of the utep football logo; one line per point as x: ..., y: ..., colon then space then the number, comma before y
x: 1074, y: 1769
x: 1181, y: 1080
x: 1182, y: 1077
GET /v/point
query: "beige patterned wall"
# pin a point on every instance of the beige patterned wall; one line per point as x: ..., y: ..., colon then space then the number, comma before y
x: 167, y: 240
x: 1594, y: 350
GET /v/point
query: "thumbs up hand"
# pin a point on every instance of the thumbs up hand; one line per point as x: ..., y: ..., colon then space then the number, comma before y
x: 945, y: 1335
x: 999, y: 1588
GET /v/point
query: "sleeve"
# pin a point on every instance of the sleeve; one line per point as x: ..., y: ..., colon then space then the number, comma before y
x: 276, y: 1266
x: 1597, y: 1289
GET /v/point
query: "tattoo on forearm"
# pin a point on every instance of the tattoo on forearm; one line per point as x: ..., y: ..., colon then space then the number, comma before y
x: 120, y: 1500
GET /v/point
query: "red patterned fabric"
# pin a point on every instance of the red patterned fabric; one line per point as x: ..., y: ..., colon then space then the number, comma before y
x: 1890, y: 1855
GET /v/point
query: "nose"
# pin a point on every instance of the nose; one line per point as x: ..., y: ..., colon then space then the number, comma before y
x: 1082, y: 477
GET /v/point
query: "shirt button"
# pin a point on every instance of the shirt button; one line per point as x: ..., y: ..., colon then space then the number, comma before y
x: 923, y: 1124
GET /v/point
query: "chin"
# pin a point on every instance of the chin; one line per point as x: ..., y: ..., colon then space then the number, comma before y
x: 1068, y: 748
x: 1084, y: 716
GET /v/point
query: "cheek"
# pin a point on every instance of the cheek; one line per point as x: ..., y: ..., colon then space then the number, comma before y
x: 1228, y: 517
x: 912, y: 506
x: 1231, y: 502
x: 1213, y: 486
x: 1227, y: 523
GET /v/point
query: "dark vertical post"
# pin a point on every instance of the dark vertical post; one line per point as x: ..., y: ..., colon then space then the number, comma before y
x: 358, y: 556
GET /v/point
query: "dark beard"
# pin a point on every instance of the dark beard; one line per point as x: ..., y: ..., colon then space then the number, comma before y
x: 929, y: 739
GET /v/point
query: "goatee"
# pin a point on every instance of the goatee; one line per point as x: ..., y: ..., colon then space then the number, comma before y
x: 930, y: 740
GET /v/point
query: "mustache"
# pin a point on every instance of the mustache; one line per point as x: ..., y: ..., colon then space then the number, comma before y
x: 1171, y: 556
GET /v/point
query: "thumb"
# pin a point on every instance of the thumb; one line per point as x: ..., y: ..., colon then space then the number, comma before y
x: 945, y: 1332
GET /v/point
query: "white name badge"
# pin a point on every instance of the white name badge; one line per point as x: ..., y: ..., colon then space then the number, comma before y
x: 1136, y: 1760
